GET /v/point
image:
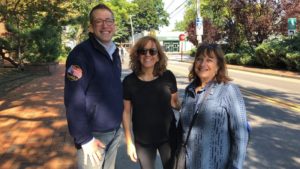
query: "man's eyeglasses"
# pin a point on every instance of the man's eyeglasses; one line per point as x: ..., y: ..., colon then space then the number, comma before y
x: 108, y: 22
x: 143, y: 51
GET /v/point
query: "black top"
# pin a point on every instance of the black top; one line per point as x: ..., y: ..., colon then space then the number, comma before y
x: 151, y: 106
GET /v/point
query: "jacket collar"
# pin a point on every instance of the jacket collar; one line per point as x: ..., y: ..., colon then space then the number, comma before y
x: 192, y: 86
x: 98, y: 46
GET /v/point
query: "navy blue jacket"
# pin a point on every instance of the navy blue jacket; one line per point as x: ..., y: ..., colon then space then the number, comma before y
x: 93, y: 94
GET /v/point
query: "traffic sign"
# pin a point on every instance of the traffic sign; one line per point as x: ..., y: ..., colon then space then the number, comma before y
x: 199, y: 21
x: 182, y: 37
x: 292, y: 22
x: 199, y: 26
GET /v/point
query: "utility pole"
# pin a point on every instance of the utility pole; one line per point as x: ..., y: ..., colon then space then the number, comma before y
x: 199, y: 23
x: 198, y: 9
x: 132, y: 32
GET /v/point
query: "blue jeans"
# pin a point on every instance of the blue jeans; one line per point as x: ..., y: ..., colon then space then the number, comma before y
x: 112, y: 141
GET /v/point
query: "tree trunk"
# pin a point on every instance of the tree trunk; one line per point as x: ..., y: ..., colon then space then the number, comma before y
x: 15, y: 64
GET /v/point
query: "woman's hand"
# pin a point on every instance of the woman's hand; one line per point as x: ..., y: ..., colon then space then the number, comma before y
x: 127, y: 116
x: 131, y: 152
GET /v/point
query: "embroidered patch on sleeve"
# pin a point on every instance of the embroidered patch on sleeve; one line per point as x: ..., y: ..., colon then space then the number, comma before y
x: 74, y: 73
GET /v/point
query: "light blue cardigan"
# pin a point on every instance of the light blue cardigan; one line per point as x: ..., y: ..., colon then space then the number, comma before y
x: 219, y: 137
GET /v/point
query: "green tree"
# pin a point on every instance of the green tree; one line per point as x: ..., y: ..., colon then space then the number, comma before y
x: 36, y: 27
x: 220, y: 16
x: 260, y: 20
x: 179, y: 26
x: 189, y: 15
x: 79, y: 18
x: 122, y: 10
x: 149, y: 15
x: 24, y: 21
x: 237, y: 21
x: 211, y: 32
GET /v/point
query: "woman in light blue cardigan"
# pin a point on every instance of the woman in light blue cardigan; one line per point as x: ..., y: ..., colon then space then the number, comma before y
x: 219, y: 137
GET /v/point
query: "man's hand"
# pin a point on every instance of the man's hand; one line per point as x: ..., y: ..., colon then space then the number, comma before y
x: 94, y: 150
x: 131, y: 152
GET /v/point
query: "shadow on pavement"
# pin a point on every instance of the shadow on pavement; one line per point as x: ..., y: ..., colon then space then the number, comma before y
x: 33, y: 128
x: 274, y: 136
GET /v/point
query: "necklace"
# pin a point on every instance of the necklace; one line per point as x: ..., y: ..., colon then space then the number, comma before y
x: 147, y: 78
x: 200, y: 87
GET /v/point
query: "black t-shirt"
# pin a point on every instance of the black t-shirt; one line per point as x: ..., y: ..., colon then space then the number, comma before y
x: 151, y: 106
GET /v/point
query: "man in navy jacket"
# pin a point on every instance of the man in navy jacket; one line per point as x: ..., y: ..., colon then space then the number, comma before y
x: 93, y: 93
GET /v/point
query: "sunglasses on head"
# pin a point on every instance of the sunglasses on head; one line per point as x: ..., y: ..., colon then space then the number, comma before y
x: 143, y: 51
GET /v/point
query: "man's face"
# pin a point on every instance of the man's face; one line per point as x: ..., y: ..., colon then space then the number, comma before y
x: 103, y: 25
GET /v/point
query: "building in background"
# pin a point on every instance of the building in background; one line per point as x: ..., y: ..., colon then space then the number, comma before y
x: 169, y: 40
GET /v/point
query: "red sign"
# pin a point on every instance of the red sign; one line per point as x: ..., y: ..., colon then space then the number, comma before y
x: 182, y: 37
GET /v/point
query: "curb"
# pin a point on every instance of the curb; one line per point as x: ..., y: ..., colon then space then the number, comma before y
x: 289, y: 74
x: 263, y: 71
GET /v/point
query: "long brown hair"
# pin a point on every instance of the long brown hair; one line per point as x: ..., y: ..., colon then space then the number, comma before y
x: 135, y: 64
x: 211, y: 50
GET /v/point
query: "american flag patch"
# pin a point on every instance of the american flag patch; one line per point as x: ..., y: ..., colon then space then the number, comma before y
x: 74, y: 73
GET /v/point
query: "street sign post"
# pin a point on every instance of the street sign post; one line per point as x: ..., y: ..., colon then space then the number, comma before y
x: 199, y: 28
x: 181, y: 39
x: 199, y: 23
x: 292, y: 22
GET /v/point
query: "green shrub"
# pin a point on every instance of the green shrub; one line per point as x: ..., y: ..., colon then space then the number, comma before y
x: 293, y: 60
x: 271, y: 54
x: 193, y: 52
x: 280, y: 53
x: 294, y: 42
x: 226, y: 48
x: 244, y: 48
x: 232, y: 58
x: 247, y: 59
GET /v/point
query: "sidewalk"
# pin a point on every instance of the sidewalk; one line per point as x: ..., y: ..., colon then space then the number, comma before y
x: 33, y: 128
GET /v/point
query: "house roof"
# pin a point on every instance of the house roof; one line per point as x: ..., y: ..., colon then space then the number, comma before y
x: 172, y: 36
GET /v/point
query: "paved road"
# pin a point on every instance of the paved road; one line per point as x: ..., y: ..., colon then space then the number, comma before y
x: 283, y: 88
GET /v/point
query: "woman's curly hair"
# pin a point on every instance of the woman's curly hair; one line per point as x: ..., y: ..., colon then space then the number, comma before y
x: 135, y: 63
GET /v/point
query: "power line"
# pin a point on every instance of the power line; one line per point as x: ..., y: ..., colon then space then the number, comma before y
x: 176, y: 12
x: 178, y: 7
x: 170, y: 5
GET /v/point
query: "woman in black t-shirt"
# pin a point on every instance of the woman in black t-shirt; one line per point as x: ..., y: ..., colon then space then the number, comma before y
x: 150, y: 93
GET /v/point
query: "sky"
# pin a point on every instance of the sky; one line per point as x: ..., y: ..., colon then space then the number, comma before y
x: 175, y: 15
